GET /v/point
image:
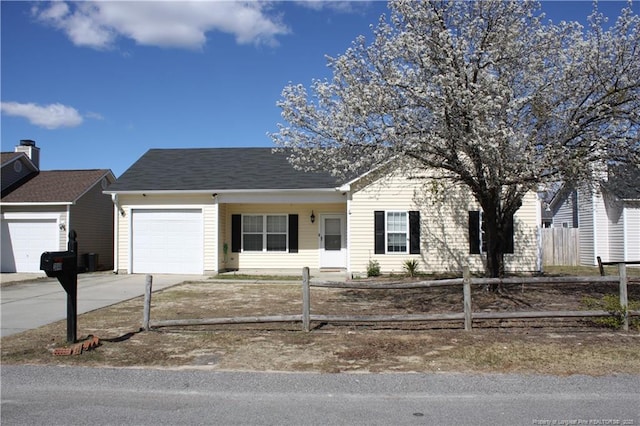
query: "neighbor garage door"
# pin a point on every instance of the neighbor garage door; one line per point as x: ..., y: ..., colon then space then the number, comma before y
x: 24, y: 241
x: 167, y: 241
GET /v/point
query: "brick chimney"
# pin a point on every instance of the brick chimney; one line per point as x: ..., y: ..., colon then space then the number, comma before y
x: 33, y: 152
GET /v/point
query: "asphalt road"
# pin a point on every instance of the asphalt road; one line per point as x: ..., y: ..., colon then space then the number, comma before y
x: 37, y: 395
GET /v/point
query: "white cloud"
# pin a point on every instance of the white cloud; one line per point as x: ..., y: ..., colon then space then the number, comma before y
x: 181, y: 24
x: 94, y: 115
x: 340, y: 6
x: 50, y: 116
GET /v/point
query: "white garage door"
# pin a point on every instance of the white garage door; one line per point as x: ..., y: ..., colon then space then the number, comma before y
x: 24, y: 241
x: 167, y: 241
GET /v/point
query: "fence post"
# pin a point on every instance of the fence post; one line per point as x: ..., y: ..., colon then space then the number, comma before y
x: 148, y: 284
x: 466, y: 290
x: 600, y: 267
x: 306, y: 299
x: 624, y: 302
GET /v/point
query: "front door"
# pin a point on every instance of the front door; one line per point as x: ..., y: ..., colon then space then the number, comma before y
x: 333, y: 241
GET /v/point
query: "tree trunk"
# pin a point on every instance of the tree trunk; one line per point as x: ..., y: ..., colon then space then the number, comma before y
x: 495, y: 238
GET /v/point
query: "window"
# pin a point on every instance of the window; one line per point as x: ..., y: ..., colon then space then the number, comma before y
x: 252, y: 233
x: 477, y: 235
x: 264, y: 233
x: 397, y: 232
x: 276, y: 233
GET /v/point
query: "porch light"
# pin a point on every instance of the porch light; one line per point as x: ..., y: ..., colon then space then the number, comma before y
x: 312, y: 217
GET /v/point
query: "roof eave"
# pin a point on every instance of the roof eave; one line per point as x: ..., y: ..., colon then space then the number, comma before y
x: 39, y: 203
x: 220, y: 191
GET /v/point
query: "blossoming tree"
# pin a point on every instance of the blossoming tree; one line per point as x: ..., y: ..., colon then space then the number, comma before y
x: 488, y: 93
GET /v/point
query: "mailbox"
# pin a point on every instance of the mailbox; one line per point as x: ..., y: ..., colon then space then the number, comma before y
x: 58, y: 263
x: 63, y: 265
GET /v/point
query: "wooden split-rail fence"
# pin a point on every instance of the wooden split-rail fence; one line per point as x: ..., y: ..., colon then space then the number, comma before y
x: 467, y: 316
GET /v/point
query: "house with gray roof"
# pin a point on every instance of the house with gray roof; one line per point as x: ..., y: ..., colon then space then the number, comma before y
x: 39, y: 208
x: 609, y: 217
x: 606, y: 214
x: 208, y: 210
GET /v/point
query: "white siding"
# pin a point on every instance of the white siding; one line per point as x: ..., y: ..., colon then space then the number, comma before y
x: 632, y: 231
x: 587, y: 227
x: 563, y: 216
x: 601, y: 228
x: 444, y: 226
x: 615, y: 229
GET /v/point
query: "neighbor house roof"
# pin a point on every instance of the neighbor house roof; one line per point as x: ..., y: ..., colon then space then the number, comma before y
x: 624, y: 182
x: 56, y: 186
x: 213, y: 169
x: 6, y: 157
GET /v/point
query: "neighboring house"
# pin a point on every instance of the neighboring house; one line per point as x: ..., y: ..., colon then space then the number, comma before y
x: 564, y: 208
x: 210, y: 210
x: 39, y: 208
x: 608, y: 216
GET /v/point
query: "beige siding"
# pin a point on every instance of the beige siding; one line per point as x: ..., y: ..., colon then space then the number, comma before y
x: 307, y: 236
x: 210, y: 240
x: 221, y: 229
x: 92, y: 219
x: 444, y: 226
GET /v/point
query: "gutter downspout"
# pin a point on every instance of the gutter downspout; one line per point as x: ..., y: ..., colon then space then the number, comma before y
x: 116, y: 230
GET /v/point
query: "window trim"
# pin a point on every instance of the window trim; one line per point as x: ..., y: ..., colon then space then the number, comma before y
x: 387, y: 233
x: 413, y: 232
x: 265, y: 233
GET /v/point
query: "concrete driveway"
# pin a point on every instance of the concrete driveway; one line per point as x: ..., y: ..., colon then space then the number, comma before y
x: 35, y: 300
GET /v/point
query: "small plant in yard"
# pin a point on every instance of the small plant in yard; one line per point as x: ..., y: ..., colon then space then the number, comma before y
x: 411, y: 267
x: 373, y: 269
x: 611, y: 303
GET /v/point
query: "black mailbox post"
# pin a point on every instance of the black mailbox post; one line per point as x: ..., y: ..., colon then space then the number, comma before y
x: 63, y: 265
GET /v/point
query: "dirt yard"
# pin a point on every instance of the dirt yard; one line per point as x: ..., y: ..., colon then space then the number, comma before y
x: 559, y: 347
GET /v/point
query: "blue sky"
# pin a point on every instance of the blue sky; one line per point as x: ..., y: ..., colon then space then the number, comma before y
x: 98, y: 84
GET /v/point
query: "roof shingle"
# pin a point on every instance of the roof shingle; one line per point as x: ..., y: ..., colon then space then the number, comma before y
x: 217, y: 169
x: 56, y: 186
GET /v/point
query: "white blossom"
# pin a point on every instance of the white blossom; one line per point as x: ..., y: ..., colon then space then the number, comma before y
x: 486, y: 92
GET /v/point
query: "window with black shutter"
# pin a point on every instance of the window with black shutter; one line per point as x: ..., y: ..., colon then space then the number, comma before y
x: 396, y: 232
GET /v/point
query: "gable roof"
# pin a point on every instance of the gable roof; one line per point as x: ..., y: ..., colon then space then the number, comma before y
x: 624, y: 182
x: 217, y: 169
x: 56, y: 186
x: 6, y: 157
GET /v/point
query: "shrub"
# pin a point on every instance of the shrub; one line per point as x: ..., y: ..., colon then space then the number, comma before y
x: 411, y: 267
x: 373, y: 269
x: 611, y: 304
